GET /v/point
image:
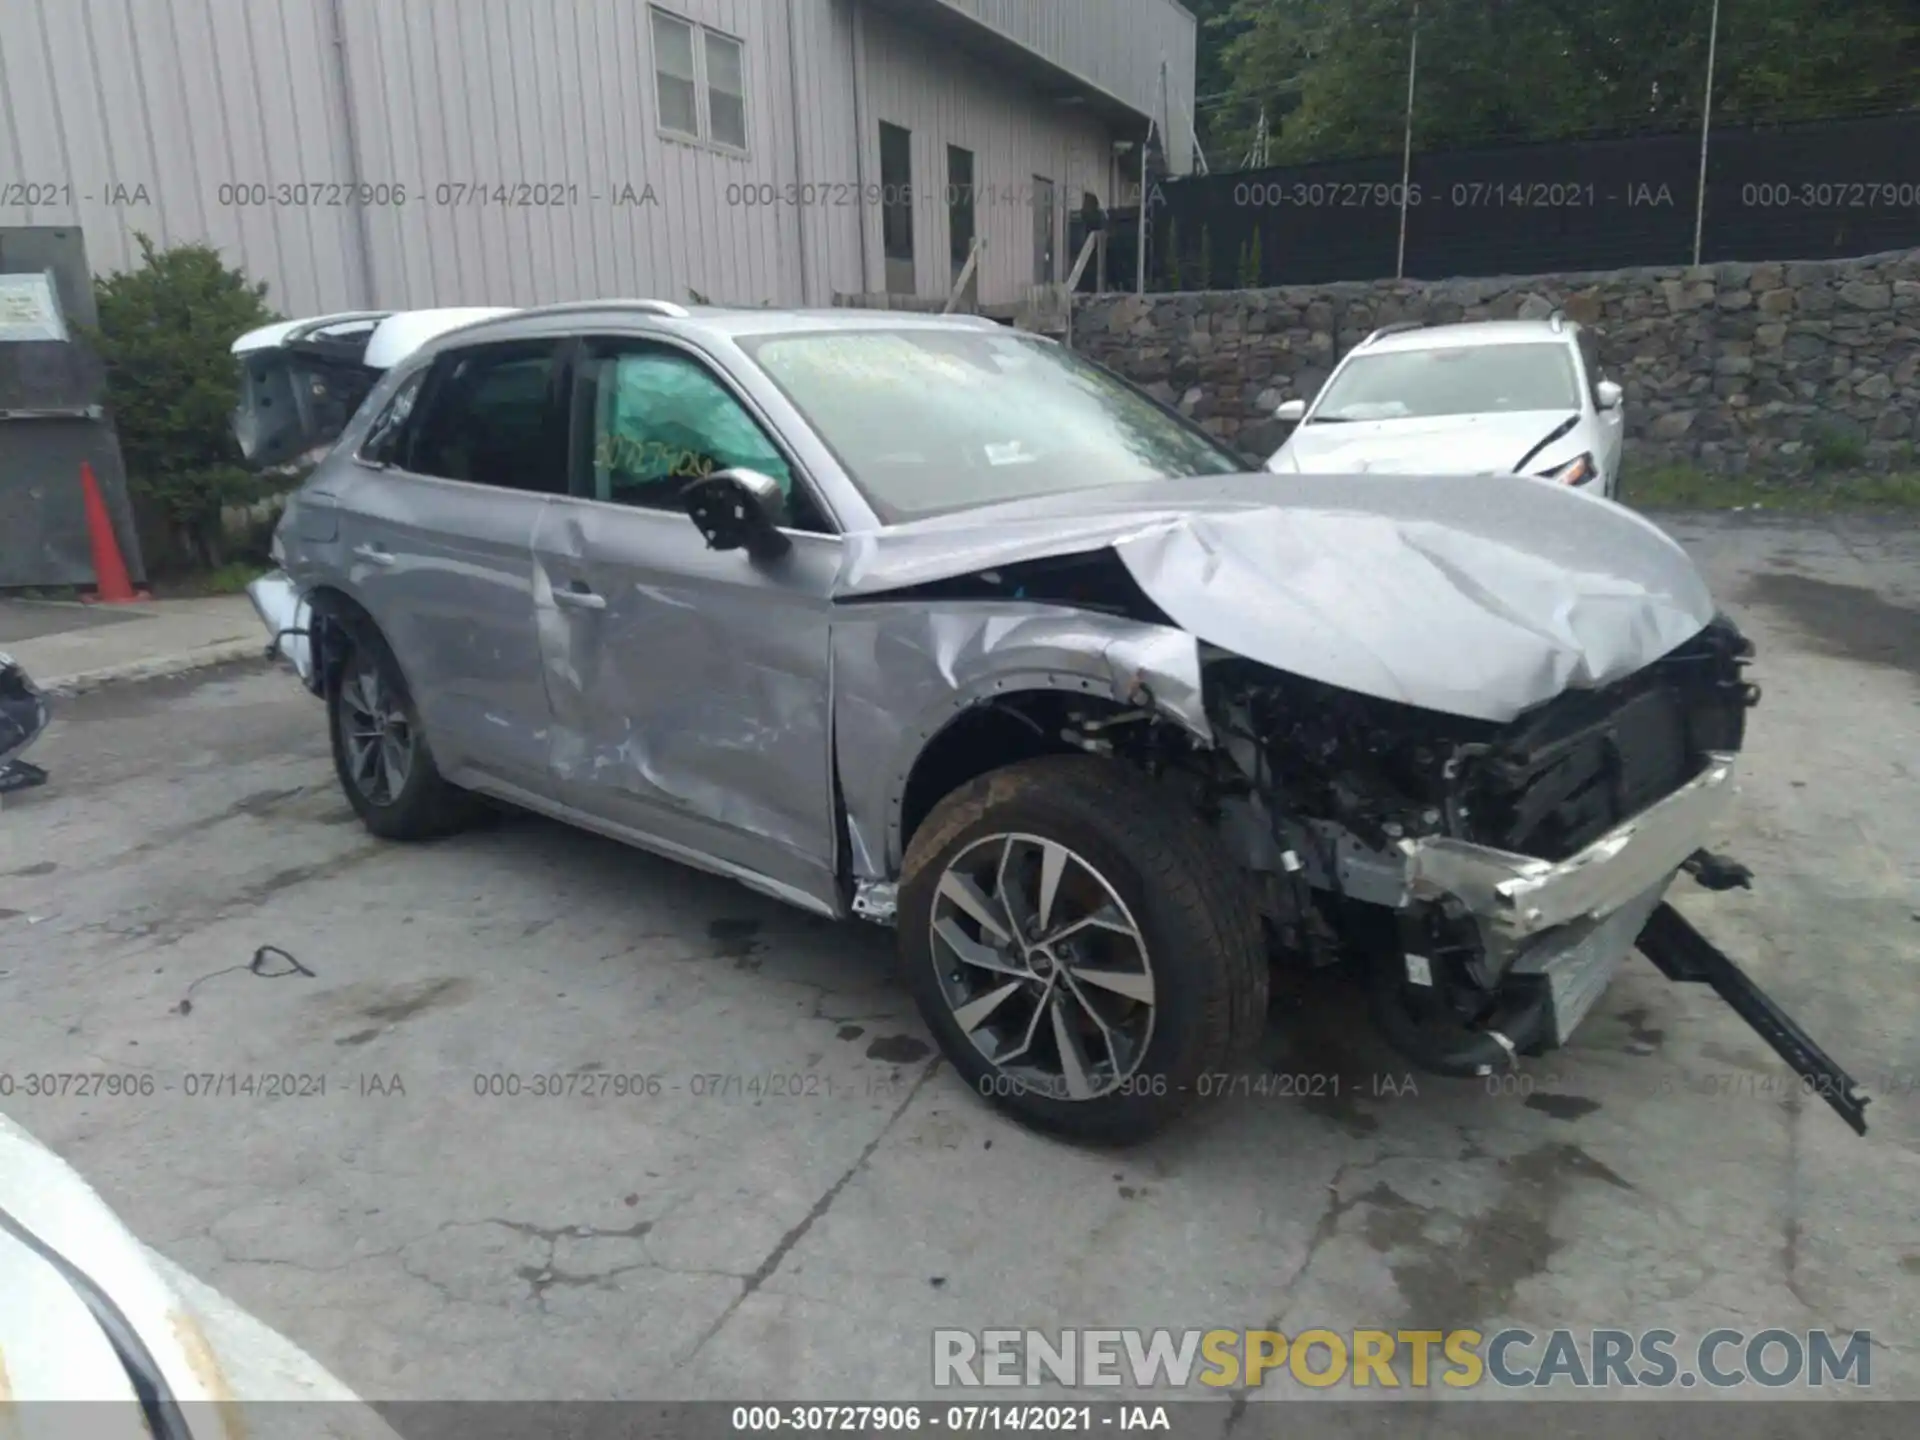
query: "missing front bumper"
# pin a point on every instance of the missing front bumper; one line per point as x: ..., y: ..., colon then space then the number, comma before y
x: 1516, y: 898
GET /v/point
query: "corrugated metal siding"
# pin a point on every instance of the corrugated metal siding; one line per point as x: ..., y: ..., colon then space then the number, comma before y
x: 1117, y: 44
x: 560, y: 97
x: 144, y: 115
x: 828, y: 198
x: 913, y: 83
x: 142, y: 111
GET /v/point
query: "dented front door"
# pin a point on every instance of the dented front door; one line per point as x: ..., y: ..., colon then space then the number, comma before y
x: 689, y: 690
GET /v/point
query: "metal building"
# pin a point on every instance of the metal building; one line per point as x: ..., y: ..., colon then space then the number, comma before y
x: 400, y: 153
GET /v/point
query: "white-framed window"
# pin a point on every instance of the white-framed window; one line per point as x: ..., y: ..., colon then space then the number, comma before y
x: 700, y: 81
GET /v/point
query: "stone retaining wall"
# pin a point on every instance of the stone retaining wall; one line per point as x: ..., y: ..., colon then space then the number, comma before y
x: 1733, y: 366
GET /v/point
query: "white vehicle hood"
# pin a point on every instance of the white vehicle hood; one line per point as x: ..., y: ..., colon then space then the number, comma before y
x: 229, y: 1375
x: 1445, y: 445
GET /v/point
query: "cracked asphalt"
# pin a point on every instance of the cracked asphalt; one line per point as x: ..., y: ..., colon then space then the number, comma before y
x: 757, y: 1182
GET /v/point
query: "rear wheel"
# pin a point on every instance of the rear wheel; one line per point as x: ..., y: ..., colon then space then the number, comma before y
x: 381, y: 754
x: 1089, y: 959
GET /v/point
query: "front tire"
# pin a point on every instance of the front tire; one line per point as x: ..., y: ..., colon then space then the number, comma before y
x: 380, y: 751
x: 1087, y: 955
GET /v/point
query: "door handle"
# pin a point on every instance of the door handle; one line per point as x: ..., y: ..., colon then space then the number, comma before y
x: 579, y: 598
x: 374, y: 554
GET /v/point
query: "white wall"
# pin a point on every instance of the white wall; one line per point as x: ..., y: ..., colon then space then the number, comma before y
x: 133, y: 115
x: 1118, y: 45
x: 943, y: 100
x: 125, y: 115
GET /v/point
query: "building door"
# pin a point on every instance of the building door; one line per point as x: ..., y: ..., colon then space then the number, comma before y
x: 1045, y: 271
x: 960, y: 231
x: 896, y: 206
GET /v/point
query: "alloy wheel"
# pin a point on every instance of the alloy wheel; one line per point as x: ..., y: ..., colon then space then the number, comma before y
x: 1042, y: 966
x: 378, y: 736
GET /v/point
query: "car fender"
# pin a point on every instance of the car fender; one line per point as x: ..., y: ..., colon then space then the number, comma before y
x: 903, y: 673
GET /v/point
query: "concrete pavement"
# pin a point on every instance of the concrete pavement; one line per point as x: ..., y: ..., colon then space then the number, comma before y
x: 69, y: 648
x: 753, y: 1181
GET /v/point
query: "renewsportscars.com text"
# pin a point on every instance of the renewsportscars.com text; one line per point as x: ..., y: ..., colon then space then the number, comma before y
x: 1514, y: 1358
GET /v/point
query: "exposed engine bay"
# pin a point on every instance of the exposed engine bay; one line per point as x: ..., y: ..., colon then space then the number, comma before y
x: 1337, y: 802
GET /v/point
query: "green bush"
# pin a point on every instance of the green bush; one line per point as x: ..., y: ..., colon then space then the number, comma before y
x: 1250, y: 256
x: 1831, y: 447
x: 165, y: 334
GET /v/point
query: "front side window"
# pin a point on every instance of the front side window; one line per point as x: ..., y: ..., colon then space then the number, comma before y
x: 1462, y: 380
x: 490, y: 417
x: 700, y: 81
x: 930, y: 420
x: 662, y: 420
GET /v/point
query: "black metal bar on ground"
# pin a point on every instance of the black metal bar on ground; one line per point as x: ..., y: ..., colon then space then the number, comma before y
x: 19, y: 775
x: 1683, y: 954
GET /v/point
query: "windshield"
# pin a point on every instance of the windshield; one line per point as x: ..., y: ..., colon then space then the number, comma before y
x: 929, y: 420
x: 1472, y: 380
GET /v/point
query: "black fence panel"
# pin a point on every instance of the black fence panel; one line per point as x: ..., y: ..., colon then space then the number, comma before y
x: 1828, y: 190
x: 1310, y: 223
x: 1527, y: 210
x: 1814, y: 192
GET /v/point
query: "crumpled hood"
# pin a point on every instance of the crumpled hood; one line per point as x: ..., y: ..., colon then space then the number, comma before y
x: 1482, y: 597
x: 1445, y: 445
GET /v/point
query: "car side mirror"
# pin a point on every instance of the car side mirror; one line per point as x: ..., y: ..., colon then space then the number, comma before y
x: 740, y: 510
x: 1291, y: 412
x: 1608, y: 394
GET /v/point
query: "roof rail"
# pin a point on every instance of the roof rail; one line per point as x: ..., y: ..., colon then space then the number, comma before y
x: 649, y: 306
x: 1398, y: 327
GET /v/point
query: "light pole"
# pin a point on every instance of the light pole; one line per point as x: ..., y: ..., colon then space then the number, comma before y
x: 1406, y: 148
x: 1706, y: 124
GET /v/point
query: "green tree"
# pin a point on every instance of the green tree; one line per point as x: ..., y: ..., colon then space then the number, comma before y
x: 165, y: 334
x: 1250, y: 254
x: 1332, y: 74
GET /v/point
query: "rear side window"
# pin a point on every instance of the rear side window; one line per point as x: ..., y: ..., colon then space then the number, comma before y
x: 382, y: 443
x: 491, y: 415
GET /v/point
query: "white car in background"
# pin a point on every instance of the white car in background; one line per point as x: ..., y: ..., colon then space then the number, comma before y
x: 102, y: 1338
x: 1498, y: 396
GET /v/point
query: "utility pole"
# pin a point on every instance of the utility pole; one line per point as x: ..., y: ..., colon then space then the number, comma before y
x: 1706, y: 125
x: 1406, y: 148
x: 1140, y: 244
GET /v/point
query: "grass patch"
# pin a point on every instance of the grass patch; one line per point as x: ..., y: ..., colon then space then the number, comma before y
x: 229, y: 579
x: 1688, y: 487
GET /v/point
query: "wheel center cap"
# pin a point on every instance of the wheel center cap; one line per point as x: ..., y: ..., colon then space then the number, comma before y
x: 1041, y: 960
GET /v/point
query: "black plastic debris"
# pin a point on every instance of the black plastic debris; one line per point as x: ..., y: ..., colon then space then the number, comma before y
x: 23, y: 715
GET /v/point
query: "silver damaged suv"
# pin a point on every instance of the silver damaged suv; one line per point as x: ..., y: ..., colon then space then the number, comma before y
x: 937, y: 624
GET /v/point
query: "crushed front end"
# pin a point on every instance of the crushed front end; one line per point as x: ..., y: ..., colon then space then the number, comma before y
x: 1493, y: 878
